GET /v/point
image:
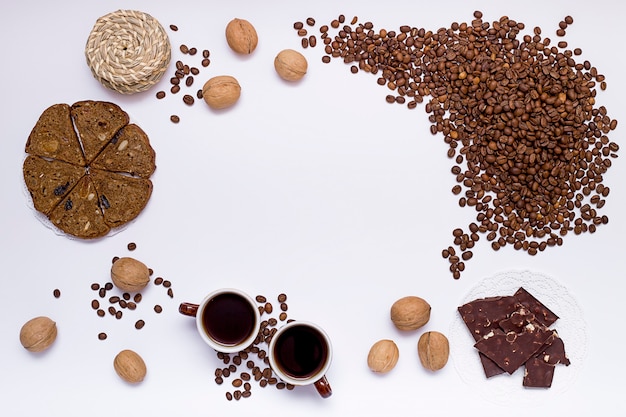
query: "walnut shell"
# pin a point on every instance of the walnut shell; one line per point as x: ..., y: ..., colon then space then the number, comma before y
x: 241, y: 36
x: 38, y: 334
x: 433, y: 349
x: 221, y: 91
x: 129, y: 274
x: 410, y: 313
x: 290, y: 65
x: 383, y: 356
x: 130, y: 366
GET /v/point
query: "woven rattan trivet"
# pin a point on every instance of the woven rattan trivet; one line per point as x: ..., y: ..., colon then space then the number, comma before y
x: 128, y: 51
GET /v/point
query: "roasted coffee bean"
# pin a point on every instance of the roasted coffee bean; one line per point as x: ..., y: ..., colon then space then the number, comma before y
x: 102, y: 336
x: 167, y: 283
x: 304, y: 42
x: 174, y: 28
x: 112, y: 311
x: 158, y: 281
x: 184, y: 49
x: 108, y: 286
x: 206, y: 62
x: 95, y: 286
x: 95, y: 304
x: 100, y: 313
x: 139, y: 324
x: 310, y: 21
x: 160, y: 94
x: 312, y: 41
x: 56, y: 293
x: 302, y: 32
x: 206, y: 53
x: 237, y: 382
x: 131, y: 305
x: 118, y: 314
x: 114, y: 299
x: 175, y: 89
x: 123, y: 303
x: 126, y: 296
x: 158, y: 309
x: 170, y: 293
x: 298, y: 25
x: 193, y: 51
x: 137, y: 298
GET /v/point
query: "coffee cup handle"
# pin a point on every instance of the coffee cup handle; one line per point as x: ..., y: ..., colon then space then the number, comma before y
x: 323, y: 387
x: 188, y: 309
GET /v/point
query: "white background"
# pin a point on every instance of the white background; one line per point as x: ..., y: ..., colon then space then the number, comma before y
x: 318, y: 189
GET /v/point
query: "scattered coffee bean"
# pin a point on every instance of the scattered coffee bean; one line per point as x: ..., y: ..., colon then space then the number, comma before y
x: 102, y: 336
x: 184, y: 49
x: 193, y: 51
x: 132, y: 246
x: 174, y: 28
x: 95, y: 304
x: 56, y: 293
x: 310, y: 21
x: 206, y: 53
x: 158, y: 309
x: 139, y: 324
x: 95, y: 286
x: 298, y: 25
x: 158, y: 281
x: 100, y: 313
x: 188, y: 99
x: 206, y: 62
x: 174, y: 118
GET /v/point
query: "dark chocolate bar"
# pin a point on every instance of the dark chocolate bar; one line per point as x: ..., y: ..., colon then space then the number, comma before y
x: 538, y: 374
x: 483, y: 315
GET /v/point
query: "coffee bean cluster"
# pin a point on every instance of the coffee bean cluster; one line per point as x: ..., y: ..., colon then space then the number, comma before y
x: 184, y: 75
x: 529, y: 145
x: 254, y: 359
x: 110, y: 302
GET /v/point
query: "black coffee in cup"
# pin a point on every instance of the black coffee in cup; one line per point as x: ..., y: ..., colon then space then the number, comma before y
x: 229, y: 318
x: 301, y: 351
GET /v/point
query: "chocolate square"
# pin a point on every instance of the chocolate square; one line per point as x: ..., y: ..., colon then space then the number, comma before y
x: 538, y: 374
x: 542, y: 313
x: 511, y: 350
x: 483, y: 315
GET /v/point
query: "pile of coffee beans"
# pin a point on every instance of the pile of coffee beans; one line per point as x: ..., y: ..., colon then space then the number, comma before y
x: 110, y: 301
x: 184, y: 74
x: 529, y: 145
x: 254, y: 359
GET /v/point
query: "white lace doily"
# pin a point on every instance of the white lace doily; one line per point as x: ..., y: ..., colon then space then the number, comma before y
x: 507, y: 389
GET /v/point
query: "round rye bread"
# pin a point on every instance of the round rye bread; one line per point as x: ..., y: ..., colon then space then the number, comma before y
x: 88, y: 168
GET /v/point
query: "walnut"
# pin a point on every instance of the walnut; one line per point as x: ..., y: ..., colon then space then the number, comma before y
x: 221, y: 91
x: 433, y: 349
x: 410, y: 313
x: 290, y: 65
x: 129, y: 274
x: 130, y: 366
x: 241, y: 36
x: 38, y: 334
x: 383, y: 356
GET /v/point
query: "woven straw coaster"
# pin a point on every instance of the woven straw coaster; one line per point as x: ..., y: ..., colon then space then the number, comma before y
x: 128, y: 51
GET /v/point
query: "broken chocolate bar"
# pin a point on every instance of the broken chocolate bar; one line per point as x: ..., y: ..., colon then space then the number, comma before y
x: 483, y: 315
x: 542, y: 313
x: 538, y: 374
x: 511, y: 350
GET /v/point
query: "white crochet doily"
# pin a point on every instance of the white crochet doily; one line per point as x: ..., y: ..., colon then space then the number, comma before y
x: 507, y: 389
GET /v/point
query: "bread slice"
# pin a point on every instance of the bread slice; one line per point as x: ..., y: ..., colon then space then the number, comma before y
x: 54, y: 137
x: 129, y: 151
x: 48, y: 181
x: 79, y: 213
x: 96, y: 123
x: 121, y: 197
